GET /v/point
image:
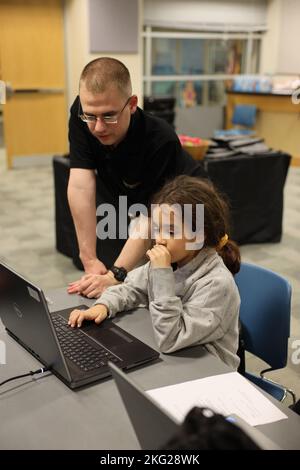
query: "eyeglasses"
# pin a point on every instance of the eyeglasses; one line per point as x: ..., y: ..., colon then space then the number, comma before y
x: 107, y: 119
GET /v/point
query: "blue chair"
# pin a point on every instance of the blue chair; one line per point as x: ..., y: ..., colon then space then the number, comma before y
x: 244, y: 115
x: 265, y: 319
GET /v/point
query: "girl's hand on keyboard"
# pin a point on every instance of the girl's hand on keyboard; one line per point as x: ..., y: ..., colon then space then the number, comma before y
x: 98, y: 313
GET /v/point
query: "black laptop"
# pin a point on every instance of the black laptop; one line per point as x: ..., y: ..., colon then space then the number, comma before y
x: 154, y: 426
x: 77, y: 356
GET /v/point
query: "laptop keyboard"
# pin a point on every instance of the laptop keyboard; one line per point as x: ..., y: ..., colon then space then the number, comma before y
x: 78, y: 349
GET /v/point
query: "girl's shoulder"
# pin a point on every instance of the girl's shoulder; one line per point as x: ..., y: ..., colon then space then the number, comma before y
x: 214, y: 272
x: 139, y: 273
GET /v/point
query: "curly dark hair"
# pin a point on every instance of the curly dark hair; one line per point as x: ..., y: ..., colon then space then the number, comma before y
x: 193, y: 190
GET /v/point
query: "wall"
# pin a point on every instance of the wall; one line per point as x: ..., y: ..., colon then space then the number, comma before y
x: 250, y: 12
x: 271, y: 40
x: 77, y: 48
x: 200, y: 121
x: 288, y: 53
x: 280, y: 46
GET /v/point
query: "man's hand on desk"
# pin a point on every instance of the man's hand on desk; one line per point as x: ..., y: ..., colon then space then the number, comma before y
x: 98, y: 313
x: 93, y: 266
x: 92, y: 285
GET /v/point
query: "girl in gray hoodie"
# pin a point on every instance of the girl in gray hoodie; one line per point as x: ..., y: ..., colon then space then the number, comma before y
x: 188, y: 283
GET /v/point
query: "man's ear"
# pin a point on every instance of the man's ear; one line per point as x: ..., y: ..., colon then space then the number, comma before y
x: 133, y: 104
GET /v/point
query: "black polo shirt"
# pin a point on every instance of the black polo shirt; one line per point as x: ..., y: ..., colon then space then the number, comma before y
x: 138, y: 166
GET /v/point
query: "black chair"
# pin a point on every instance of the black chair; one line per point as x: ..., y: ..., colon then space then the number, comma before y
x: 161, y: 106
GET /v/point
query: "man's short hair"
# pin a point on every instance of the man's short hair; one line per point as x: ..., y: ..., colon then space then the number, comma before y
x: 100, y: 73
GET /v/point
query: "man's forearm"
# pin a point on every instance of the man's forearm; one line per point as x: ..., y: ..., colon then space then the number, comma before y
x: 132, y: 253
x: 83, y: 209
x: 137, y: 244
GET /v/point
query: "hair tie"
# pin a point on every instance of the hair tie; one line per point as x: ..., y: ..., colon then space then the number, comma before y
x: 222, y: 242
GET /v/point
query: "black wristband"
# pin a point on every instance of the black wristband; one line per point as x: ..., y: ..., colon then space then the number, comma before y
x: 119, y: 273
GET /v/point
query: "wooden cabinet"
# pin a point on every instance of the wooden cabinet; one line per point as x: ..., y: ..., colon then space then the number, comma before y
x: 278, y: 120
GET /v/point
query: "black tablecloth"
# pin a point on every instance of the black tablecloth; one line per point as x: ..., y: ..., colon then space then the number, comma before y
x: 66, y: 240
x: 253, y: 186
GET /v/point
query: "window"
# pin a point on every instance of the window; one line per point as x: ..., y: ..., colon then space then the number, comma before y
x: 196, y: 67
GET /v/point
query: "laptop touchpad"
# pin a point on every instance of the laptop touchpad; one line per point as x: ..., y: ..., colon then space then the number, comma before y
x: 109, y: 337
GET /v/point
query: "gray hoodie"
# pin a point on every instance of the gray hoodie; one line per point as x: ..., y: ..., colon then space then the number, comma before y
x: 196, y: 304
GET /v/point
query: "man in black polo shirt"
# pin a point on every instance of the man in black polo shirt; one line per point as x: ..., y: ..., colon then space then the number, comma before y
x: 122, y: 151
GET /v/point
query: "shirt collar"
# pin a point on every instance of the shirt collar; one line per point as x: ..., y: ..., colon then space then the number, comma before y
x: 190, y: 267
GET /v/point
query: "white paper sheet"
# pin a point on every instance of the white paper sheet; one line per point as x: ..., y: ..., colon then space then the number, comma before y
x: 226, y: 394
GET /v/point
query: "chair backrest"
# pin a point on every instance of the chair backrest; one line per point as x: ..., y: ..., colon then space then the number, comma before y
x: 244, y: 115
x: 265, y: 313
